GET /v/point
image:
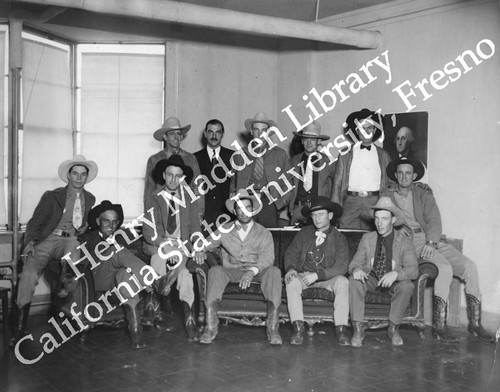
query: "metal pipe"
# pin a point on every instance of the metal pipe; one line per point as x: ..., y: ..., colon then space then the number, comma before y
x: 172, y: 11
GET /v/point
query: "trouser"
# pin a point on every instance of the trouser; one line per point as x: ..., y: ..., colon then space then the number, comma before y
x: 450, y: 262
x: 54, y: 247
x: 219, y: 277
x: 339, y: 285
x: 357, y: 213
x: 400, y: 291
x: 268, y: 215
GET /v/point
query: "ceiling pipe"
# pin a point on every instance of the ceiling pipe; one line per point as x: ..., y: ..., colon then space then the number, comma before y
x: 217, y: 18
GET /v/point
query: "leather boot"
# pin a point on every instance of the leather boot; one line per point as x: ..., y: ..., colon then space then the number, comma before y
x: 441, y: 332
x: 474, y: 315
x: 148, y: 316
x: 193, y: 334
x: 359, y: 333
x: 211, y: 328
x: 341, y: 332
x: 393, y: 333
x: 298, y: 332
x: 272, y: 323
x: 164, y: 284
x: 133, y: 313
x: 21, y: 322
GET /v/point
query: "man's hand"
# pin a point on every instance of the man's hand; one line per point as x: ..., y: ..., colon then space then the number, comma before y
x: 246, y: 280
x: 82, y: 229
x: 200, y: 257
x: 388, y: 279
x: 173, y: 262
x: 309, y: 278
x: 427, y: 252
x: 290, y: 275
x: 29, y: 250
x: 359, y: 274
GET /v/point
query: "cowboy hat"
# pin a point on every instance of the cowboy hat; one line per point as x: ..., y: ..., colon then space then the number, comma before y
x: 323, y: 203
x: 312, y: 130
x: 242, y: 195
x: 259, y: 117
x: 174, y: 160
x: 360, y: 115
x: 418, y: 167
x: 386, y: 203
x: 170, y: 124
x: 105, y: 205
x: 81, y: 161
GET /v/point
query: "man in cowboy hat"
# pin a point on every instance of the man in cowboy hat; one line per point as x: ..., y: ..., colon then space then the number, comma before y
x: 384, y: 261
x: 247, y: 255
x: 266, y: 164
x: 60, y: 216
x: 168, y: 241
x: 318, y: 257
x: 172, y: 134
x: 318, y: 173
x: 423, y: 222
x: 360, y: 174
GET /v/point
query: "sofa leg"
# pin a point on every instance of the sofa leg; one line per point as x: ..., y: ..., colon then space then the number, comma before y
x: 421, y: 330
x: 310, y: 326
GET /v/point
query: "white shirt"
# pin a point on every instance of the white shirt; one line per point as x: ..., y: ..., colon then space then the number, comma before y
x: 244, y: 232
x: 211, y: 151
x: 365, y: 173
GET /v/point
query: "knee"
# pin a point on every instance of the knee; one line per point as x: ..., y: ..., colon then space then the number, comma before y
x: 407, y: 286
x: 273, y: 273
x: 294, y: 285
x: 215, y: 272
x: 341, y: 284
x: 122, y: 276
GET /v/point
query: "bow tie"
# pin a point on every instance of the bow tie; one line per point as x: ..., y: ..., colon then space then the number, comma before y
x: 369, y: 147
x: 320, y: 237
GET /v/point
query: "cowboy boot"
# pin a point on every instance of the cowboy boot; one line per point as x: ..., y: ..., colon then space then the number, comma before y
x: 272, y: 324
x: 341, y: 332
x: 190, y: 323
x: 163, y: 285
x: 474, y: 315
x: 211, y: 328
x: 148, y: 316
x: 440, y: 315
x: 359, y: 334
x: 298, y: 332
x: 393, y: 333
x: 20, y: 329
x: 133, y: 313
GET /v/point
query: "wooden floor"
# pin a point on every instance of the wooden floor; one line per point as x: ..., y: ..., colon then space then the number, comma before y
x: 240, y: 359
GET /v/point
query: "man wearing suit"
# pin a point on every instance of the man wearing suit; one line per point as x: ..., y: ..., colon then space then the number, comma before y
x: 208, y: 158
x: 318, y: 173
x: 59, y: 217
x: 403, y: 141
x: 266, y: 164
x: 360, y: 174
x: 168, y: 241
x: 384, y: 261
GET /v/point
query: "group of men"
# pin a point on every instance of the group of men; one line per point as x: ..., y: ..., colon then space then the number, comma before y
x: 216, y: 206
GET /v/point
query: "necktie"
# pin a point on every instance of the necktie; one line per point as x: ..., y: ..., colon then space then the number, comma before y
x: 171, y: 221
x: 308, y: 178
x: 77, y: 212
x: 379, y: 267
x: 259, y: 166
x: 368, y: 147
x: 320, y: 237
x: 214, y: 158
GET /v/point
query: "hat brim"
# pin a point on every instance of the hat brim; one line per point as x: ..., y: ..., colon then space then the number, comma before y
x: 362, y: 115
x: 418, y: 168
x: 230, y: 204
x: 99, y: 209
x: 160, y: 167
x: 66, y: 165
x: 320, y: 137
x: 331, y: 207
x: 400, y: 216
x: 250, y: 121
x: 158, y: 135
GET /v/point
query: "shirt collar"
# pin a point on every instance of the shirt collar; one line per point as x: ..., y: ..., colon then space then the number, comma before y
x: 210, y: 152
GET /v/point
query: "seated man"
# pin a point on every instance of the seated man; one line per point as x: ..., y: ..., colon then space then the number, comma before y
x: 318, y: 257
x: 167, y: 240
x: 116, y: 264
x: 385, y: 261
x: 247, y: 254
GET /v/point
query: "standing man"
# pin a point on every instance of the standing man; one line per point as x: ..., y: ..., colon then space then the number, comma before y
x: 262, y: 171
x: 423, y: 220
x: 59, y: 217
x: 172, y: 134
x: 208, y: 158
x: 318, y: 173
x: 385, y: 261
x: 318, y: 257
x: 360, y: 174
x: 167, y: 241
x: 247, y: 255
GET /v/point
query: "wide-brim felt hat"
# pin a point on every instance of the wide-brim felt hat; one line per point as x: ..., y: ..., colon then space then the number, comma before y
x: 171, y: 124
x: 323, y: 203
x: 386, y: 203
x: 361, y: 115
x: 312, y: 130
x: 105, y: 205
x: 418, y: 167
x: 174, y: 160
x: 78, y: 160
x: 242, y: 195
x: 260, y: 117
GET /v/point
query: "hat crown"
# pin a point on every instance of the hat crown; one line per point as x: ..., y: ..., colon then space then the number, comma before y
x: 172, y: 123
x: 313, y: 129
x: 260, y: 117
x: 385, y: 202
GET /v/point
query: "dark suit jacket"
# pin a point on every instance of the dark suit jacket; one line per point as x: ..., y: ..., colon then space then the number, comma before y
x: 49, y: 211
x: 215, y: 198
